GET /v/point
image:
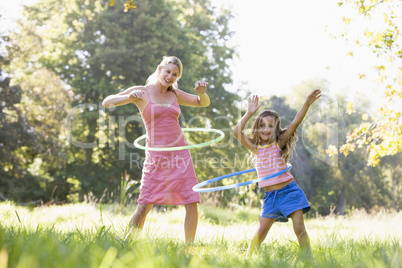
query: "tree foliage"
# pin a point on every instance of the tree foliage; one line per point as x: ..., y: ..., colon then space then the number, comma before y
x: 382, y: 135
x: 96, y: 50
x: 338, y: 183
x: 20, y: 142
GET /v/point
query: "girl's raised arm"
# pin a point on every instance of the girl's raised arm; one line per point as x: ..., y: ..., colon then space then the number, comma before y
x: 238, y: 130
x: 299, y: 117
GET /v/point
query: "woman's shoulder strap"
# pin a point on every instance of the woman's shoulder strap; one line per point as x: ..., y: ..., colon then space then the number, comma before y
x: 174, y: 92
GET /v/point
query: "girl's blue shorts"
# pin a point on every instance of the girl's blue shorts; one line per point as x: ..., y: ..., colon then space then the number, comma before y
x: 281, y: 203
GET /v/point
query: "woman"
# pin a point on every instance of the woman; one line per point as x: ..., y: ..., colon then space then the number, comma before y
x: 167, y: 176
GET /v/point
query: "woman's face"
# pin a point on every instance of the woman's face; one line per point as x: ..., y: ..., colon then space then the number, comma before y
x: 266, y: 127
x: 168, y: 74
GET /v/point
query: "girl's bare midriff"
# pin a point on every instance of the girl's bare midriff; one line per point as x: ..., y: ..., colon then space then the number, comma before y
x: 277, y: 186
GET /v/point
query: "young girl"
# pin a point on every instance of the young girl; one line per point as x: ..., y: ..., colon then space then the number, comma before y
x: 271, y: 148
x: 167, y: 176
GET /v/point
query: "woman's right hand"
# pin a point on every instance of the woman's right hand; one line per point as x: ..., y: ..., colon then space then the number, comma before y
x: 136, y: 95
x: 253, y: 104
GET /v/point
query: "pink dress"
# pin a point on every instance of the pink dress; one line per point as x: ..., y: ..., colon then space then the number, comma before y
x: 167, y: 176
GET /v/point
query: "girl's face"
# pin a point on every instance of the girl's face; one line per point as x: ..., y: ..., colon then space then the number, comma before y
x: 168, y: 74
x: 267, y: 126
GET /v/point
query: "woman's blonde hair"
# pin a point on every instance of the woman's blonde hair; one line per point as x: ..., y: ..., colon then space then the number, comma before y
x: 288, y: 149
x: 165, y: 61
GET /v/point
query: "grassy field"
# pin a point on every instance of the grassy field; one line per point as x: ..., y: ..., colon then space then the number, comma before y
x: 84, y: 235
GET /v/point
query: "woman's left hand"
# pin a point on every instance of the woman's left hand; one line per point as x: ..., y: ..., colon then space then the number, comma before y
x: 201, y: 87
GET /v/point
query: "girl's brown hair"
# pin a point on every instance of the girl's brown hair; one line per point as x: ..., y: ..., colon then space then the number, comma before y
x: 165, y: 61
x: 288, y: 149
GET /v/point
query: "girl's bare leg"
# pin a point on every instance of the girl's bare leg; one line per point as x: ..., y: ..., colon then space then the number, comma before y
x: 191, y: 222
x: 300, y: 231
x: 263, y: 228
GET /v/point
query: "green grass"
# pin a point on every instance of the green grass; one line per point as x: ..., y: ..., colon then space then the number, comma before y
x: 84, y: 235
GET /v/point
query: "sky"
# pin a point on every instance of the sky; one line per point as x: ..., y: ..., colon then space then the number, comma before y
x: 281, y: 44
x: 9, y: 10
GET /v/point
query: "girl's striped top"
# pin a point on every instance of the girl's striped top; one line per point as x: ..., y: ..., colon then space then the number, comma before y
x: 267, y: 161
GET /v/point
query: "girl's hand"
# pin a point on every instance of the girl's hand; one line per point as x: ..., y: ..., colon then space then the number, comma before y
x: 253, y: 104
x: 313, y: 96
x: 200, y: 87
x: 136, y: 95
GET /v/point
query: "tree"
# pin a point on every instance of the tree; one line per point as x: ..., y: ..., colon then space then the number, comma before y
x: 353, y: 183
x: 382, y: 135
x: 19, y: 140
x: 97, y: 50
x: 335, y: 183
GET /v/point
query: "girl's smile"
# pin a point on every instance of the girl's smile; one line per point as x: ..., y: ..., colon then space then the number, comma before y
x: 267, y: 126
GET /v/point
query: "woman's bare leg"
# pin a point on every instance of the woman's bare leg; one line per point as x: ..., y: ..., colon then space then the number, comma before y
x: 191, y: 222
x: 138, y: 219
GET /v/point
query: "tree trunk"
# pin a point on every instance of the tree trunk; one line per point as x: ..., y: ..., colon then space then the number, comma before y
x: 340, y: 206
